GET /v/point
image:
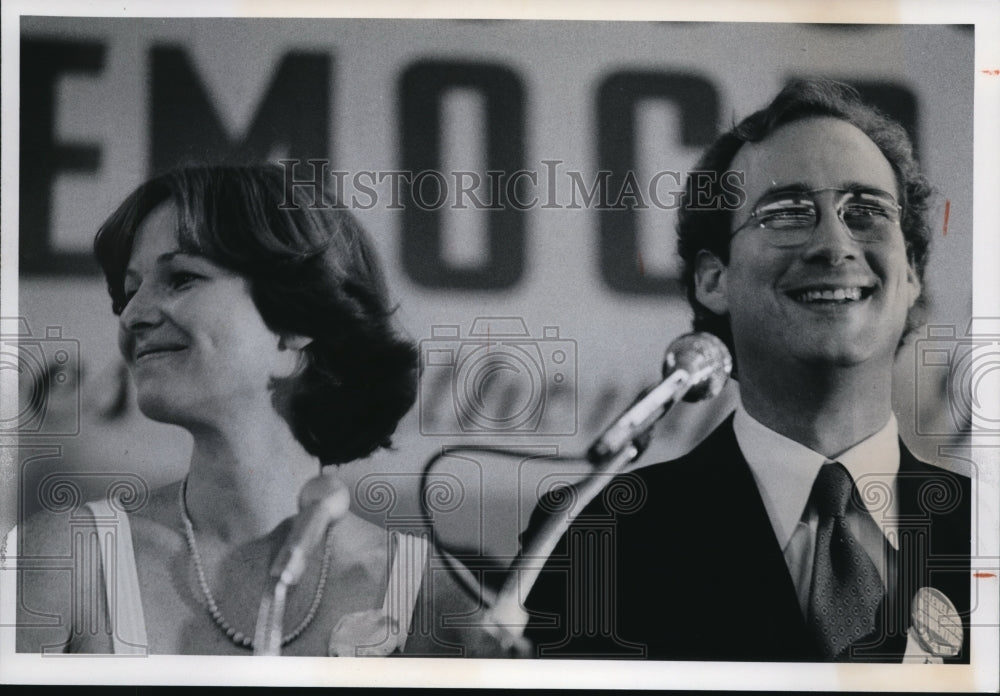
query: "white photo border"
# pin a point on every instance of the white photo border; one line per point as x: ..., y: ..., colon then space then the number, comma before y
x: 178, y: 670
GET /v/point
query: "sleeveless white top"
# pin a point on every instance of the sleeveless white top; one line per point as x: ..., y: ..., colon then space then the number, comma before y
x: 124, y: 598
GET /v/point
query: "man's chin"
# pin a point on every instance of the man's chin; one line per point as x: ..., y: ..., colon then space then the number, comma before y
x: 843, y: 352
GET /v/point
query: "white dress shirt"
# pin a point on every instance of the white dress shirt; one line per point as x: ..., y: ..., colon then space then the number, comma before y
x: 785, y: 471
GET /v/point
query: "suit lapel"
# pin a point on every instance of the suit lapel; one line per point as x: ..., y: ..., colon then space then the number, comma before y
x: 765, y: 602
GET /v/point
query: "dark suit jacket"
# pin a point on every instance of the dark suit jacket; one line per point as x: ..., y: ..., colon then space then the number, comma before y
x: 679, y: 561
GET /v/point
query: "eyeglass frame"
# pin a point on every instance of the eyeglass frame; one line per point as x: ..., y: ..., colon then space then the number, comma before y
x: 811, y: 194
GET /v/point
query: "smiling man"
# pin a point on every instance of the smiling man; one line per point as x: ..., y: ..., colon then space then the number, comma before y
x: 802, y: 528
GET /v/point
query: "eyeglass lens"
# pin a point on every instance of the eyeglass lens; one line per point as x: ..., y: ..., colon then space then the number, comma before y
x: 792, y: 217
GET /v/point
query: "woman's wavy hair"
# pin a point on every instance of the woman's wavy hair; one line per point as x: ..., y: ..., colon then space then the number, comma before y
x: 312, y: 271
x: 708, y: 227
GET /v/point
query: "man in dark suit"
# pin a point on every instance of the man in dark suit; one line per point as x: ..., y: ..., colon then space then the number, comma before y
x: 802, y: 528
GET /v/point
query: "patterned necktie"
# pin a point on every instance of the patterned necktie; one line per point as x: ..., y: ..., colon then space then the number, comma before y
x: 846, y: 587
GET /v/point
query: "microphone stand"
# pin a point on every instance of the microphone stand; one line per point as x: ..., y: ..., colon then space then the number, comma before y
x: 507, y: 617
x: 270, y: 619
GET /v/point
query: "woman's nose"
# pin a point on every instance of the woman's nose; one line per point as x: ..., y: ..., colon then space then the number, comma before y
x: 143, y: 310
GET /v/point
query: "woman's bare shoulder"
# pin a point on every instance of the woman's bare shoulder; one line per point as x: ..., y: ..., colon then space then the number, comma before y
x: 58, y: 566
x: 51, y: 528
x: 48, y: 533
x: 157, y: 519
x: 361, y: 541
x: 55, y: 544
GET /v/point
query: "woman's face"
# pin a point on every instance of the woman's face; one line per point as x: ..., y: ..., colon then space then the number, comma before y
x: 193, y: 339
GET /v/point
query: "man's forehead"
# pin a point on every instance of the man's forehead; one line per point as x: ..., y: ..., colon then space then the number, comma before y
x: 812, y: 153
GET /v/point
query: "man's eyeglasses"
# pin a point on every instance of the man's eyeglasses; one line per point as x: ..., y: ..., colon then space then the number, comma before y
x: 789, y: 217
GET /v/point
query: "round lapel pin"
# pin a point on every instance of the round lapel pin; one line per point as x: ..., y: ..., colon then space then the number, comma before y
x: 936, y: 622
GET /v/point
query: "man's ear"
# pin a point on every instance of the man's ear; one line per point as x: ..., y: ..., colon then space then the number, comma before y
x: 710, y: 282
x: 293, y: 342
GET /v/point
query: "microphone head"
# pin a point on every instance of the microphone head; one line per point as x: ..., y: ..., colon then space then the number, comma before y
x: 323, y: 500
x: 328, y: 490
x: 695, y: 353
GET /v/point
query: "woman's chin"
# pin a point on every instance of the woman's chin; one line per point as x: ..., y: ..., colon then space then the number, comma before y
x: 158, y: 408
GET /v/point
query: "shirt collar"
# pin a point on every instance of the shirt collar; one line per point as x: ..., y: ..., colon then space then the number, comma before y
x: 785, y: 470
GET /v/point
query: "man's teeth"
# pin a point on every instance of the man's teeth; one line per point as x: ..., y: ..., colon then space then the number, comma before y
x: 837, y: 295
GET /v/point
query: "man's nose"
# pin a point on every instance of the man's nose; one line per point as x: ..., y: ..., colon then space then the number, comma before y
x: 831, y: 240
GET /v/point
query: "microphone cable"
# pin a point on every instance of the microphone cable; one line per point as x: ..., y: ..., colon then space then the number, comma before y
x: 458, y: 570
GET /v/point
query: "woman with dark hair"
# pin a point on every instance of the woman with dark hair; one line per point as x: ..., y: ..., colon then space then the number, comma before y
x: 257, y: 319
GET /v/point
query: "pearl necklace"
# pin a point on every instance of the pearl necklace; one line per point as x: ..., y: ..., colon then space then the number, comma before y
x: 238, y: 637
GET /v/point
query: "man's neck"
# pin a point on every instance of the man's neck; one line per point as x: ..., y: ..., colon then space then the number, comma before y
x: 828, y: 411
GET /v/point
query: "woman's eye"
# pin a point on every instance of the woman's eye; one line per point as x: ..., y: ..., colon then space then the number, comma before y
x: 180, y: 279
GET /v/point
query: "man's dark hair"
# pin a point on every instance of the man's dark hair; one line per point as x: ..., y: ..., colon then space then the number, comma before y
x: 313, y: 272
x: 709, y: 228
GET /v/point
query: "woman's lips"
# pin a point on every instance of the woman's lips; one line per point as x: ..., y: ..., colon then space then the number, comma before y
x: 148, y: 352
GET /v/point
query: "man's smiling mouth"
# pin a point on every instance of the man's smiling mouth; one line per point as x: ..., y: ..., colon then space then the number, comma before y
x: 840, y: 295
